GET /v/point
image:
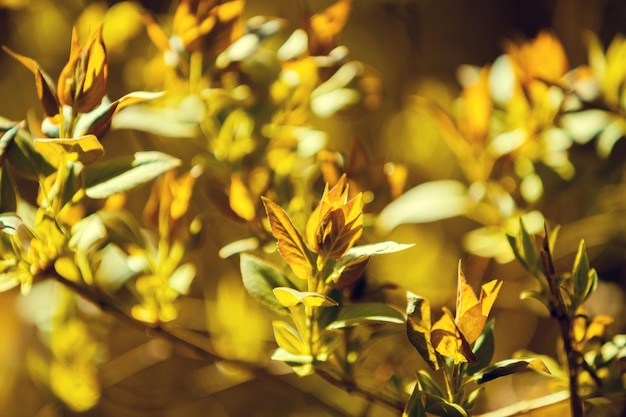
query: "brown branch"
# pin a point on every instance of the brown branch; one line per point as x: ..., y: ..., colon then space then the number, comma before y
x: 558, y: 310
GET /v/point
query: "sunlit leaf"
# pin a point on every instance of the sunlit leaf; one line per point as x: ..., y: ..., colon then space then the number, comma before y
x: 326, y: 25
x: 85, y: 149
x: 508, y: 367
x: 380, y: 248
x: 240, y: 200
x: 290, y: 243
x: 427, y: 202
x: 450, y: 342
x: 181, y: 278
x: 288, y: 338
x: 290, y: 297
x: 260, y: 278
x: 122, y: 174
x: 363, y: 313
x: 419, y: 327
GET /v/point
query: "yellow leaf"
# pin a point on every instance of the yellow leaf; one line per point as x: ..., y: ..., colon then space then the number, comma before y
x: 471, y: 312
x: 239, y: 199
x: 290, y: 243
x: 290, y: 297
x: 449, y: 341
x: 326, y: 25
x: 85, y: 149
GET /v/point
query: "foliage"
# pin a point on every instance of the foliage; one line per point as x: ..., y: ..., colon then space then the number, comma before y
x: 228, y: 208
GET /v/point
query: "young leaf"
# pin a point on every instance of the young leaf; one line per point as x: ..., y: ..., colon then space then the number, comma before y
x: 428, y: 384
x: 584, y: 278
x: 260, y: 278
x: 439, y: 406
x: 122, y: 174
x: 508, y: 367
x: 449, y: 341
x: 290, y: 243
x: 355, y: 314
x: 290, y: 297
x: 85, y: 149
x: 416, y: 406
x: 288, y: 338
x: 418, y: 328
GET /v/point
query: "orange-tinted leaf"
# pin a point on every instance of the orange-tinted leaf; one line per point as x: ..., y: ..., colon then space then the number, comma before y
x: 449, y: 341
x: 477, y: 106
x: 326, y: 25
x: 471, y: 312
x: 45, y: 86
x: 155, y: 33
x: 290, y: 243
x: 542, y: 58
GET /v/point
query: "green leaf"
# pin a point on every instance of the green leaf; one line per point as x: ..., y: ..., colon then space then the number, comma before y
x: 26, y: 160
x: 355, y: 314
x: 529, y: 249
x: 8, y: 199
x: 6, y: 139
x: 585, y: 279
x: 419, y: 326
x: 441, y: 407
x: 260, y: 278
x: 416, y: 406
x: 122, y: 174
x: 510, y: 366
x: 472, y: 397
x: 428, y: 384
x: 484, y: 348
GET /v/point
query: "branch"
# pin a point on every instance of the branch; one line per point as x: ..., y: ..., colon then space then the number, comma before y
x: 559, y: 311
x: 180, y: 337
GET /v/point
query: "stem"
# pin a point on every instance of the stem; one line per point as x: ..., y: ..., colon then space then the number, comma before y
x: 559, y: 311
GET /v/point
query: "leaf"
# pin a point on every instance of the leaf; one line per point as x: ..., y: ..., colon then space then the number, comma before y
x: 122, y: 174
x: 483, y: 349
x: 30, y: 163
x: 260, y: 278
x: 239, y: 198
x: 415, y: 407
x: 6, y: 139
x: 85, y: 149
x: 449, y: 341
x: 510, y: 366
x: 288, y: 338
x: 584, y: 278
x: 290, y: 297
x: 46, y: 90
x: 439, y: 406
x: 428, y: 384
x: 427, y: 202
x: 419, y: 326
x: 362, y: 313
x: 471, y: 311
x: 379, y: 248
x: 8, y: 198
x: 290, y: 243
x: 181, y: 278
x: 349, y: 273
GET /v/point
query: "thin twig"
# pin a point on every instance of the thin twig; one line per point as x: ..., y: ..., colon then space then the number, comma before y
x: 559, y: 311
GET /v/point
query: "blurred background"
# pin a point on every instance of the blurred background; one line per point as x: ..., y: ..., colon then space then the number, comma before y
x: 416, y: 47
